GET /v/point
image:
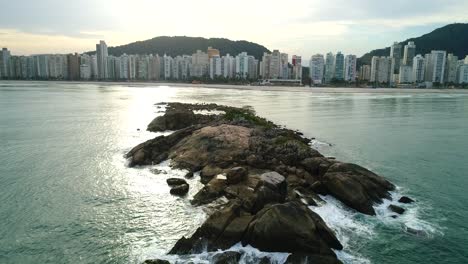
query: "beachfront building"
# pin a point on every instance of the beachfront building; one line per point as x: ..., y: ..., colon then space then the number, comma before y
x: 102, y: 54
x: 350, y: 68
x: 451, y: 68
x: 405, y: 74
x: 329, y: 68
x: 200, y: 64
x: 317, y: 68
x: 338, y: 66
x: 463, y: 74
x: 297, y: 67
x: 435, y: 66
x: 395, y: 53
x: 215, y: 66
x: 4, y: 63
x: 228, y: 64
x: 382, y: 69
x: 409, y: 53
x: 418, y: 69
x: 365, y: 73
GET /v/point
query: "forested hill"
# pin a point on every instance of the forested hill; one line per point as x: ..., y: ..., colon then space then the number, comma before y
x: 174, y: 46
x: 452, y: 38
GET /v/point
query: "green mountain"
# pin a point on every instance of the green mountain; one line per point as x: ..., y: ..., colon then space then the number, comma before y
x: 180, y: 45
x: 452, y: 38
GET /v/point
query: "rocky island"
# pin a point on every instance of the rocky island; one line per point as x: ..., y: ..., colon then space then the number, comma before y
x: 269, y: 174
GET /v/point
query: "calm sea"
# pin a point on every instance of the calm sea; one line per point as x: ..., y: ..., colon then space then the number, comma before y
x: 67, y: 197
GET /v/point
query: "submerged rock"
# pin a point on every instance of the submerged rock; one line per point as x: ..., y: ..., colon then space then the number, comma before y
x: 311, y: 259
x: 395, y: 208
x: 180, y: 190
x: 406, y: 200
x: 175, y: 181
x: 156, y: 261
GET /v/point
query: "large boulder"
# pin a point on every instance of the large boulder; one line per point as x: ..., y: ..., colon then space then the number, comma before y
x: 274, y: 181
x: 396, y: 209
x: 209, y: 172
x: 405, y: 200
x: 180, y: 190
x: 291, y: 227
x: 175, y: 181
x: 172, y: 120
x: 156, y: 150
x: 356, y: 186
x: 156, y: 261
x: 215, y: 145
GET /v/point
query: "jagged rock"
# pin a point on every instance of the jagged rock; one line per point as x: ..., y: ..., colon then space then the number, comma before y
x: 156, y: 261
x: 156, y: 150
x: 311, y: 259
x: 317, y: 165
x: 406, y: 200
x: 234, y: 232
x: 236, y: 175
x: 356, y: 186
x: 291, y: 227
x: 175, y: 181
x: 180, y: 190
x: 212, y: 191
x: 205, y: 236
x: 172, y: 120
x: 397, y: 209
x: 264, y: 195
x: 274, y: 181
x: 228, y: 257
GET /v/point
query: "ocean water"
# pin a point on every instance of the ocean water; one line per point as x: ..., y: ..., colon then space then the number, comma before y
x: 67, y: 195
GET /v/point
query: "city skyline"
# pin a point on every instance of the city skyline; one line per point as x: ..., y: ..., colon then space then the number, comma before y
x: 314, y: 26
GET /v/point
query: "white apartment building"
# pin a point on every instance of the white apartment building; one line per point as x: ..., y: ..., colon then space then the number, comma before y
x: 215, y: 66
x: 317, y: 68
x: 435, y: 66
x: 409, y: 53
x: 382, y: 69
x: 102, y: 54
x: 406, y: 74
x: 418, y: 69
x: 451, y: 68
x: 228, y: 66
x: 200, y: 64
x: 329, y: 67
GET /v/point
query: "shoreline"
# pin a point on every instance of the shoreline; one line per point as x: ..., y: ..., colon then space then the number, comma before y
x: 254, y: 88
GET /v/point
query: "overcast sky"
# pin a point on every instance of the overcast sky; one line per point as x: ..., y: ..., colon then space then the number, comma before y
x: 302, y: 27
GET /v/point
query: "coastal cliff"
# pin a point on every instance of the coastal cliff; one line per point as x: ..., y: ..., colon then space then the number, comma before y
x: 269, y: 174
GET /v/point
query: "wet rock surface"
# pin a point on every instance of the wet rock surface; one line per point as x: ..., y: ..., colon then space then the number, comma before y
x: 270, y: 175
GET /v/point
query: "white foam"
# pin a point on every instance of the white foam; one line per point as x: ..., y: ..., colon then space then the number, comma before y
x: 409, y: 219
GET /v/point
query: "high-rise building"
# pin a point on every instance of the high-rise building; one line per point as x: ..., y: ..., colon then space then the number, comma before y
x: 168, y: 71
x: 350, y: 74
x: 102, y: 54
x: 284, y: 67
x: 382, y: 69
x: 297, y: 67
x: 215, y: 66
x: 396, y: 53
x: 435, y: 66
x: 228, y: 66
x: 339, y: 65
x: 317, y: 68
x: 463, y: 74
x: 154, y: 66
x: 200, y: 64
x: 329, y: 67
x: 124, y: 67
x: 409, y: 53
x: 85, y: 72
x: 405, y: 74
x: 451, y: 68
x: 4, y: 63
x: 365, y: 73
x: 418, y: 69
x: 73, y: 66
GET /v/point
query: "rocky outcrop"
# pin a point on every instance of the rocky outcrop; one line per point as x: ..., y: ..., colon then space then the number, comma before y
x: 356, y: 186
x: 270, y: 175
x: 396, y: 209
x: 228, y: 257
x: 175, y: 181
x: 405, y: 200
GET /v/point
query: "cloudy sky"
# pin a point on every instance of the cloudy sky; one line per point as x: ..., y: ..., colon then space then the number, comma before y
x: 302, y: 27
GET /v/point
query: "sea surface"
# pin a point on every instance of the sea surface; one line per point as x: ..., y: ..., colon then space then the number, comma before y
x: 67, y: 196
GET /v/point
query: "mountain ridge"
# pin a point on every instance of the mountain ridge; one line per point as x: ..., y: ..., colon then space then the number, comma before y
x: 180, y: 45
